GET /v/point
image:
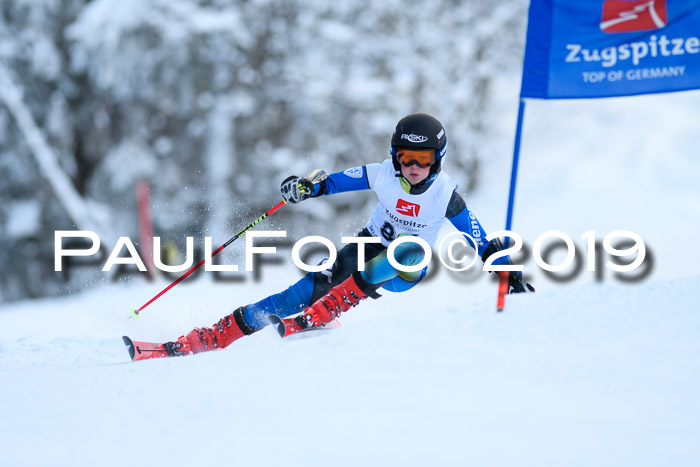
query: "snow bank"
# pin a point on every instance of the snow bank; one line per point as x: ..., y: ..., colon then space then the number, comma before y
x: 577, y: 375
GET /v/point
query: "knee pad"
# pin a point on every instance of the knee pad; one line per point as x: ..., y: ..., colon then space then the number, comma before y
x: 404, y: 282
x: 409, y: 254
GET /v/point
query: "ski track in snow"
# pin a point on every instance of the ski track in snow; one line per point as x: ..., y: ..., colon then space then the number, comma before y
x: 581, y: 375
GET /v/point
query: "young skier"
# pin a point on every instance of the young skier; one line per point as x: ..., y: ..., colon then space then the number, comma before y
x: 415, y: 197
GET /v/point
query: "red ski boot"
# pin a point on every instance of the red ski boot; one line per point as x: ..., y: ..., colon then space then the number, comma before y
x: 340, y: 298
x: 220, y: 335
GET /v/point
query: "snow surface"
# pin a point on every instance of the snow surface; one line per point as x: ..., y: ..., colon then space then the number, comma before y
x: 575, y: 375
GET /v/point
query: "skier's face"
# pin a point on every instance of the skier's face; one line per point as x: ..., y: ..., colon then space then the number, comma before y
x: 415, y: 164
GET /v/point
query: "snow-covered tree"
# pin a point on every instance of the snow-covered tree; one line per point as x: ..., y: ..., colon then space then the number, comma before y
x: 216, y: 101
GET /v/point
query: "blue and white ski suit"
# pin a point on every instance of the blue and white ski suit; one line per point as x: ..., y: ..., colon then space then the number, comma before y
x: 401, y: 210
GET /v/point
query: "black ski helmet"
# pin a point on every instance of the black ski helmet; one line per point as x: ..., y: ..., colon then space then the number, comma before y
x: 420, y: 131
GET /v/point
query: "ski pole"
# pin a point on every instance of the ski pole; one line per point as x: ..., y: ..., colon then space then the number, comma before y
x: 135, y: 312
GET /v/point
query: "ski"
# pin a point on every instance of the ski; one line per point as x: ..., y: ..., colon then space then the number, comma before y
x: 287, y: 326
x: 144, y: 350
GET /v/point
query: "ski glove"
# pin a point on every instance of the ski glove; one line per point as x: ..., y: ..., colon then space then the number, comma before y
x: 296, y: 190
x: 516, y: 284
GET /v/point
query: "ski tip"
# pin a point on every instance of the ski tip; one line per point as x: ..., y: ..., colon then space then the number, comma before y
x: 129, y: 346
x: 277, y: 322
x: 335, y: 324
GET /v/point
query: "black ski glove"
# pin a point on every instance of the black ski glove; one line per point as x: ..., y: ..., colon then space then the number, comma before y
x: 516, y: 284
x: 296, y: 190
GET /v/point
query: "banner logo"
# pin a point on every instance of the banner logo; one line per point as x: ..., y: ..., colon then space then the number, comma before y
x: 632, y: 16
x: 605, y: 48
x: 407, y: 209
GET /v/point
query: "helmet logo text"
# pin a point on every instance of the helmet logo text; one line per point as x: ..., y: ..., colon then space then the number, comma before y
x: 414, y: 138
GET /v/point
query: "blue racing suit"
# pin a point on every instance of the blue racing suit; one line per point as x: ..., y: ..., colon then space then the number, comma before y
x: 378, y: 270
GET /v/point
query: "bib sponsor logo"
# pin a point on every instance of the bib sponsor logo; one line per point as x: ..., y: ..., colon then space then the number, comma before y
x: 632, y: 16
x: 407, y: 209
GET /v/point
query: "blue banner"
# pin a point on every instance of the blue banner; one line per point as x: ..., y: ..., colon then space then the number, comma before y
x: 605, y: 48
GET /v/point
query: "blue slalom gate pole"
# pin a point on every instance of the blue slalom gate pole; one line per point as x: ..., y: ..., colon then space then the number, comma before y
x: 514, y: 170
x: 503, y: 282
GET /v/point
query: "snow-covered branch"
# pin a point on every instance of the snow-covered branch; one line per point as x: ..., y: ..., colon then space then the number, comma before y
x: 45, y: 157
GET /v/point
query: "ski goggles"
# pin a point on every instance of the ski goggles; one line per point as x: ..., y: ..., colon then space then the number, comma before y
x: 422, y: 158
